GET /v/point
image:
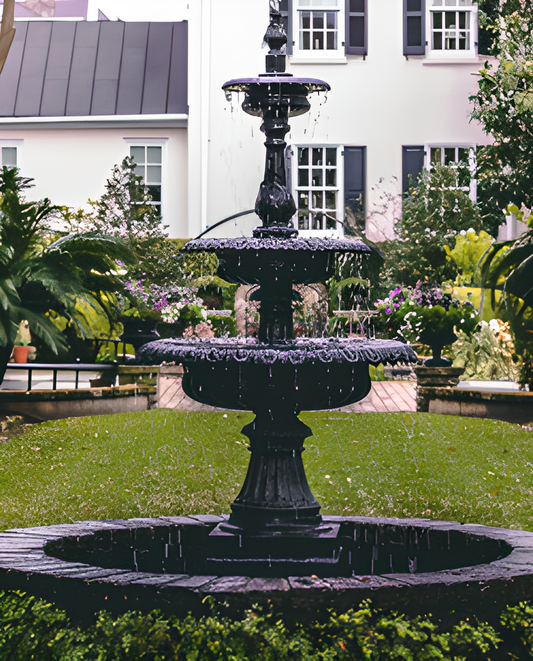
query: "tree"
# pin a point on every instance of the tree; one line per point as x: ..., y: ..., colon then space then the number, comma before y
x: 126, y: 211
x: 41, y: 278
x: 433, y: 213
x: 504, y: 106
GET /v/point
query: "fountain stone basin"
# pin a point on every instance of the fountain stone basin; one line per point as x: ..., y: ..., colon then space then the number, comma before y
x: 414, y: 566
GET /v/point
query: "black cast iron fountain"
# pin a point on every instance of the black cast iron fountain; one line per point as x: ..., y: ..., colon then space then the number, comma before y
x: 274, y: 547
x: 277, y: 376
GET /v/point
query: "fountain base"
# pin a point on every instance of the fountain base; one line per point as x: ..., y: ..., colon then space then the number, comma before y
x: 412, y: 566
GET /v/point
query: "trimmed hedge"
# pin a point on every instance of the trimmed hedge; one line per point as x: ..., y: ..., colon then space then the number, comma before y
x: 30, y: 628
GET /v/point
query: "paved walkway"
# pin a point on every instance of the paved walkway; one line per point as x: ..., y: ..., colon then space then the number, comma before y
x: 385, y: 396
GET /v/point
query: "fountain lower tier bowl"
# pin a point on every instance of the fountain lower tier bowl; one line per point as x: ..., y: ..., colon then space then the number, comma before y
x: 173, y: 563
x: 249, y: 260
x: 301, y: 375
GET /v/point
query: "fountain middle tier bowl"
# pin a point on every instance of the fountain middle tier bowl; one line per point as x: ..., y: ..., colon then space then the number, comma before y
x: 309, y: 374
x: 251, y: 260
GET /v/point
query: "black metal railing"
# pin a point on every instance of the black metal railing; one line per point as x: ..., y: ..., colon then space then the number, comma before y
x: 62, y: 367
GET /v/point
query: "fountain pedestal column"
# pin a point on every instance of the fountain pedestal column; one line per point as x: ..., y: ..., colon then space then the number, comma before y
x: 275, y: 491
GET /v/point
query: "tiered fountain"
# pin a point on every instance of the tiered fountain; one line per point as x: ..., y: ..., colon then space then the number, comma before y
x: 274, y: 547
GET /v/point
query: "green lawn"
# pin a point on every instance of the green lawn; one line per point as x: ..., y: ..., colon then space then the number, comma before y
x: 167, y: 463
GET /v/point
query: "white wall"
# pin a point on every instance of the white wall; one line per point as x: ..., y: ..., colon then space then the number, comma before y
x: 71, y: 166
x: 382, y: 102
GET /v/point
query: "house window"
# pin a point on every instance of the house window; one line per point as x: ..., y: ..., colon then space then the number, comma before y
x: 453, y: 28
x: 9, y: 157
x: 317, y: 188
x: 320, y: 25
x: 149, y: 163
x: 462, y: 158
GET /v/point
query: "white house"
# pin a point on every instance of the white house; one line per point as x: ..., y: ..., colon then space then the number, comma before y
x: 78, y: 94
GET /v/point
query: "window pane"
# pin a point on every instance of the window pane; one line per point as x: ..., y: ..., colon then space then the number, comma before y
x: 317, y: 178
x: 449, y: 155
x: 437, y: 41
x: 331, y: 223
x: 414, y: 5
x: 436, y: 156
x: 153, y: 174
x: 139, y: 171
x: 305, y: 19
x: 331, y: 177
x: 9, y: 157
x: 450, y: 3
x: 318, y: 21
x: 303, y: 177
x: 154, y: 154
x: 303, y: 200
x: 449, y: 41
x: 331, y: 156
x: 464, y: 154
x: 317, y: 200
x: 450, y: 19
x: 437, y: 20
x: 357, y: 5
x: 303, y: 156
x: 317, y: 156
x: 331, y: 20
x: 331, y: 199
x: 331, y: 40
x: 317, y: 221
x: 318, y: 41
x: 155, y: 192
x: 437, y: 3
x: 137, y: 153
x: 306, y: 41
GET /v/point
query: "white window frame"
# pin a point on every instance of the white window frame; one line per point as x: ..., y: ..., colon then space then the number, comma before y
x: 339, y: 188
x: 449, y: 6
x: 318, y: 6
x: 154, y: 142
x: 472, y: 188
x: 11, y: 143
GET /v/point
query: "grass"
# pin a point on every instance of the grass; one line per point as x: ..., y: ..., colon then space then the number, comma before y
x: 167, y: 463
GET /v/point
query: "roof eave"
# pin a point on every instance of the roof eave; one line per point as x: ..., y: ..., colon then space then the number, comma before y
x: 166, y: 121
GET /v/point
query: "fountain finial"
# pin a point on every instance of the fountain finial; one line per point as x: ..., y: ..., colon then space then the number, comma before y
x: 276, y: 38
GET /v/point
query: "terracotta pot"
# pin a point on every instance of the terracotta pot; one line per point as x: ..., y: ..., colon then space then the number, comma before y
x: 20, y: 354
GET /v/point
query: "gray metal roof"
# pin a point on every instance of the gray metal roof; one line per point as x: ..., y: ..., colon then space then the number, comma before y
x: 82, y: 68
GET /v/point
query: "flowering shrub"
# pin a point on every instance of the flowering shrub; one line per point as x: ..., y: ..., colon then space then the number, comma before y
x: 409, y: 313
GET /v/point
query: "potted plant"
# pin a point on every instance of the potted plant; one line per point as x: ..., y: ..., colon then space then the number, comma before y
x: 427, y: 315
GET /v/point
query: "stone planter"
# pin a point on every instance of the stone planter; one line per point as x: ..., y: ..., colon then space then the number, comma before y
x: 437, y: 340
x: 434, y: 377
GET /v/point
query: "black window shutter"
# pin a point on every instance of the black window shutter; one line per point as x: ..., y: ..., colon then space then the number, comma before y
x: 414, y: 27
x: 412, y: 165
x: 354, y: 188
x: 356, y: 27
x: 285, y: 7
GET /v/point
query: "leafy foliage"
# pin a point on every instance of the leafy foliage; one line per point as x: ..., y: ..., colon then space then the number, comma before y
x: 40, y: 278
x: 433, y: 214
x: 504, y: 106
x: 33, y: 629
x: 126, y: 211
x: 468, y: 250
x: 488, y: 354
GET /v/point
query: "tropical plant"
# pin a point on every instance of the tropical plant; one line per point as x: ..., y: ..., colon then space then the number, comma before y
x: 508, y: 266
x: 468, y: 250
x: 504, y: 107
x: 433, y: 214
x: 43, y: 281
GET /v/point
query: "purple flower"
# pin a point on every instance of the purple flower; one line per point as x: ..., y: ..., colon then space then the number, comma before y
x: 396, y: 306
x: 394, y: 292
x: 388, y: 310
